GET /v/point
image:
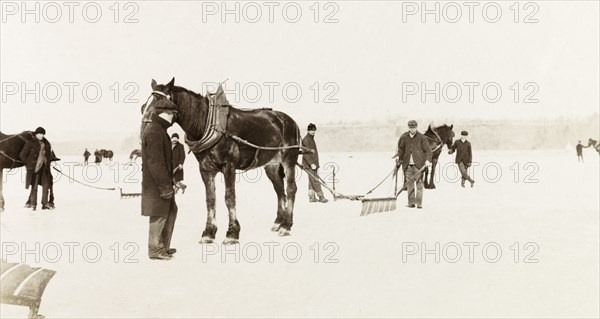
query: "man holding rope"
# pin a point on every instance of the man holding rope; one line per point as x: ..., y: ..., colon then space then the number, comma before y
x: 310, y: 161
x: 37, y: 155
x: 414, y: 151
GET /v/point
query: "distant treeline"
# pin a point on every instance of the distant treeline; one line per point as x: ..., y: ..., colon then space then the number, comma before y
x: 556, y: 133
x: 376, y: 136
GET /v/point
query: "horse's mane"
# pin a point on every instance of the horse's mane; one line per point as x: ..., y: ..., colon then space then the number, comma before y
x: 179, y: 89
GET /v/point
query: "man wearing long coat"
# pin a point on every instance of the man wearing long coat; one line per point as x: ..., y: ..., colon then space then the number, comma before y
x: 414, y: 151
x: 37, y: 154
x: 158, y: 201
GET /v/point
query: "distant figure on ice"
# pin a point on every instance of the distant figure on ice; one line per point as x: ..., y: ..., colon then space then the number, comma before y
x: 86, y: 156
x: 98, y: 157
x: 414, y: 151
x: 579, y: 149
x: 311, y: 163
x: 36, y: 155
x: 464, y: 157
x: 158, y: 201
x: 178, y: 160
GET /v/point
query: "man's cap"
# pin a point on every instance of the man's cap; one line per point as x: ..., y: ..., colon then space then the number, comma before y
x: 464, y: 133
x: 164, y: 105
x: 311, y: 127
x: 40, y: 130
x: 175, y: 135
x: 412, y: 123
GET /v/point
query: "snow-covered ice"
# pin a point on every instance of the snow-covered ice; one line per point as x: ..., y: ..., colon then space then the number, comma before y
x: 545, y: 212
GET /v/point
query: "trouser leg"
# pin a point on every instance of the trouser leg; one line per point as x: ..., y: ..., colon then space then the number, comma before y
x: 464, y: 172
x: 419, y: 195
x: 167, y: 232
x: 155, y: 238
x: 409, y: 174
x: 34, y: 189
x: 314, y: 182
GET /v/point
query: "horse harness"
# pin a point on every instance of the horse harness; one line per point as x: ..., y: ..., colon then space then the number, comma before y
x: 216, y: 127
x: 2, y: 153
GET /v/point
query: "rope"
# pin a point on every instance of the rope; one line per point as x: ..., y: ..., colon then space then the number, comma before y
x: 265, y: 148
x: 377, y: 186
x: 71, y: 178
x: 10, y: 158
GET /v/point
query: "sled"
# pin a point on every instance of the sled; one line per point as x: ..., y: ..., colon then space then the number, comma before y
x: 23, y: 285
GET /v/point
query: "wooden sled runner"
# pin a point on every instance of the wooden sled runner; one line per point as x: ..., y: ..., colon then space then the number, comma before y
x: 24, y: 286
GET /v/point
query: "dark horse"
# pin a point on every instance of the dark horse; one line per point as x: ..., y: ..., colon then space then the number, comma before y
x: 593, y: 143
x: 135, y: 154
x: 261, y: 127
x: 444, y: 135
x: 107, y: 154
x: 10, y: 148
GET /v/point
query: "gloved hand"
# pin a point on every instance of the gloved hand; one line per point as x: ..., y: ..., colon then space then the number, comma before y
x: 180, y: 166
x: 167, y: 195
x: 313, y: 166
x: 428, y: 163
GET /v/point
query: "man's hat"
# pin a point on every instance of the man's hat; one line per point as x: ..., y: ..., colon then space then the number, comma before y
x: 164, y: 105
x: 175, y: 135
x: 40, y: 130
x: 464, y: 133
x: 311, y: 127
x: 412, y: 123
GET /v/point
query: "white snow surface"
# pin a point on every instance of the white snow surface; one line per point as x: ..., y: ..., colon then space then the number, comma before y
x: 359, y: 270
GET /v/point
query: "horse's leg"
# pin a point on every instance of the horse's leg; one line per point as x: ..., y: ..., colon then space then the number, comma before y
x: 233, y: 232
x: 276, y: 175
x: 208, y: 236
x: 426, y: 175
x: 1, y: 197
x: 289, y: 169
x: 433, y: 165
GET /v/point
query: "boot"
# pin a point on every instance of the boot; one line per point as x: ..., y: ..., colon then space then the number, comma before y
x: 322, y: 198
x: 311, y: 196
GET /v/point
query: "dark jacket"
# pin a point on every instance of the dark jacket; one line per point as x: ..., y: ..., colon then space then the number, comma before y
x: 30, y: 154
x: 579, y: 149
x: 310, y: 158
x: 86, y: 154
x: 157, y: 168
x: 463, y: 152
x: 178, y: 159
x: 418, y: 146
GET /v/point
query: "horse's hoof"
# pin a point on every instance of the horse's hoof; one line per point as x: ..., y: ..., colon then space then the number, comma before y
x: 284, y: 232
x: 230, y: 241
x: 207, y: 240
x: 276, y: 227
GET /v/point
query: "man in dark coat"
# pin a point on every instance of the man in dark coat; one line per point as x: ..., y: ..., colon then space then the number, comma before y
x: 86, y: 156
x: 178, y: 160
x: 310, y: 161
x: 414, y: 151
x: 158, y: 201
x: 579, y: 149
x: 464, y: 157
x: 36, y: 154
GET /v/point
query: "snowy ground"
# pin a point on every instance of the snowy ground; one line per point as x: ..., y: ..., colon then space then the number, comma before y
x: 350, y: 266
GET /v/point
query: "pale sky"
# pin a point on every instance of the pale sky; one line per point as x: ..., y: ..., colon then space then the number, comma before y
x: 363, y: 64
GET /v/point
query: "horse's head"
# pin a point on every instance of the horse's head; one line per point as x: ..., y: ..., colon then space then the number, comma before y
x: 592, y: 142
x: 446, y: 134
x: 160, y: 98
